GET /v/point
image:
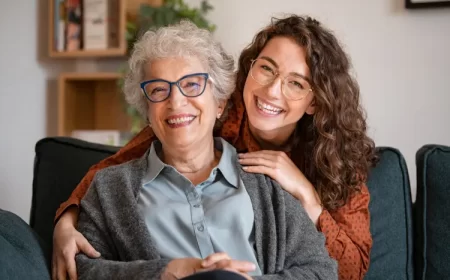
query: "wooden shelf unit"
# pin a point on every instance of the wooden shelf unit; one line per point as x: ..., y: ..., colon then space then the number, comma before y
x: 128, y: 10
x: 90, y: 101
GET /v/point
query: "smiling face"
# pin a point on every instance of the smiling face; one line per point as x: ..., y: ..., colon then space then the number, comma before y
x: 270, y: 111
x: 180, y: 121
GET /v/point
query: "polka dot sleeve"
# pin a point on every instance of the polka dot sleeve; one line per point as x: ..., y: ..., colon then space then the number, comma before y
x: 348, y: 239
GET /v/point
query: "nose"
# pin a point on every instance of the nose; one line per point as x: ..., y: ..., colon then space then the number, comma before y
x: 274, y: 89
x: 177, y: 99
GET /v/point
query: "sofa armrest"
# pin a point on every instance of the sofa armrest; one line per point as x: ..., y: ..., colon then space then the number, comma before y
x: 21, y: 255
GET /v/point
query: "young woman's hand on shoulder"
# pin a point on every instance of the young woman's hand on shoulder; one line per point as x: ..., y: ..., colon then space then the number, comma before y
x: 279, y: 166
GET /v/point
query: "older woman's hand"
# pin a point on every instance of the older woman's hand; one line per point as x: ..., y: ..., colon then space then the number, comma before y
x: 180, y: 268
x: 223, y: 262
x: 280, y: 167
x: 67, y: 242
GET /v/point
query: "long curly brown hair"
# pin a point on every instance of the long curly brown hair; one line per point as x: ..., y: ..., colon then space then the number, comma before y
x: 331, y: 147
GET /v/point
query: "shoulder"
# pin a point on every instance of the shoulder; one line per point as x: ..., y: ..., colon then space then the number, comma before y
x: 116, y: 174
x: 262, y: 186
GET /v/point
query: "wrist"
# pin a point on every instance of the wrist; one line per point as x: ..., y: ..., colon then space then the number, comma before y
x: 311, y: 202
x: 70, y: 217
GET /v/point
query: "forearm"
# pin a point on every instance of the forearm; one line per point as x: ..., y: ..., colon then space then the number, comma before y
x: 352, y: 254
x: 105, y: 269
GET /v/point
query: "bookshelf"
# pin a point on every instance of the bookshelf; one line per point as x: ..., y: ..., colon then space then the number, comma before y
x: 125, y: 9
x: 90, y: 101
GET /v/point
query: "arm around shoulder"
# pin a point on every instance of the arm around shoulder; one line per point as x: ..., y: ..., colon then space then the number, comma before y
x: 134, y: 149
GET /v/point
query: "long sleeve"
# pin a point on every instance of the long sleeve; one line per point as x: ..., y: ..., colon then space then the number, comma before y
x: 134, y: 149
x: 93, y: 225
x: 348, y: 238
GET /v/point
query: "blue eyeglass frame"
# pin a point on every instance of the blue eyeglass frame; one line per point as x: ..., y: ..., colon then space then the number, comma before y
x: 176, y: 83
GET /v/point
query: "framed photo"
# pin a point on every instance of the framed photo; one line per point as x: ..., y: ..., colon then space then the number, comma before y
x: 418, y: 4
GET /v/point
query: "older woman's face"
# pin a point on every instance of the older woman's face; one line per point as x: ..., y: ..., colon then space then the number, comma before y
x: 181, y: 121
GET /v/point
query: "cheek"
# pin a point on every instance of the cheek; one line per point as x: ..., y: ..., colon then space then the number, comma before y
x: 249, y: 88
x: 296, y: 110
x: 152, y: 112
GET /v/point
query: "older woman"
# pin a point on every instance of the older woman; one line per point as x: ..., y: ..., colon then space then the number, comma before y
x: 186, y: 205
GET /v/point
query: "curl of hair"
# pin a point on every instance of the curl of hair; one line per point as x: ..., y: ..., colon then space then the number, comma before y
x: 182, y: 40
x: 335, y: 153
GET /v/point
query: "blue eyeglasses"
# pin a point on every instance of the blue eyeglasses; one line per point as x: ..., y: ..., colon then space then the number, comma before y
x: 191, y: 85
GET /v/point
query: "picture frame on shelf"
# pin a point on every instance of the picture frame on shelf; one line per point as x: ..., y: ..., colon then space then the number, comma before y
x: 422, y: 4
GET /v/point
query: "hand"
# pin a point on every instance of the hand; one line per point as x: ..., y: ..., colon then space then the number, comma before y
x: 67, y: 242
x: 280, y: 168
x: 180, y: 268
x: 221, y: 261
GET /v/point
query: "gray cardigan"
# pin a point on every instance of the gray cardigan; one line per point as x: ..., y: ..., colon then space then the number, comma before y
x: 288, y: 246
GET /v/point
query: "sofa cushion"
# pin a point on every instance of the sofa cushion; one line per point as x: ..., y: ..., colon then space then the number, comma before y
x: 390, y: 218
x: 432, y: 212
x: 21, y: 254
x: 60, y: 164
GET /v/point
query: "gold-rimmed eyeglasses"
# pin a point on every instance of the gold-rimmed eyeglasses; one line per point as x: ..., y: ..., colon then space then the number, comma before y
x: 293, y: 86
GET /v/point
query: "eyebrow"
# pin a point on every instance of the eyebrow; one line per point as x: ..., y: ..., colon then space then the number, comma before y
x: 276, y: 65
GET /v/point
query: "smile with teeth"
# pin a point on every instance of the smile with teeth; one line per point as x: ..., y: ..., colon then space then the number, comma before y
x: 180, y: 120
x: 266, y: 108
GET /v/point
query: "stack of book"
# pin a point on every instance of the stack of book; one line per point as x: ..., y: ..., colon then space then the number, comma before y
x: 85, y: 24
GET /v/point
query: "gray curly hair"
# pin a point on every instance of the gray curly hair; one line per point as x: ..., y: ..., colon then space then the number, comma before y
x: 184, y: 39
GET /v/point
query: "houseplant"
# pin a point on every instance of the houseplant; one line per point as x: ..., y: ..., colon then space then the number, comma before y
x: 170, y: 12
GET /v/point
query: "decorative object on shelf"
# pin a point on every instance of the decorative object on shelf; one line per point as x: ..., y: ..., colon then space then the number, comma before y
x: 105, y: 137
x: 419, y: 4
x: 170, y: 12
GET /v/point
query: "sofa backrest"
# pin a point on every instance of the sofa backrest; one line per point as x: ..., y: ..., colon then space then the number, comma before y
x: 390, y: 218
x: 60, y: 164
x: 432, y: 213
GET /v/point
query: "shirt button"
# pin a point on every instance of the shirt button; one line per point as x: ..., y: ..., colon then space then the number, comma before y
x: 201, y: 228
x: 197, y: 205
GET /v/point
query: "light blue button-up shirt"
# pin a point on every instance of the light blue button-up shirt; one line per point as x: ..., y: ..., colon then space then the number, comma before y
x: 196, y: 221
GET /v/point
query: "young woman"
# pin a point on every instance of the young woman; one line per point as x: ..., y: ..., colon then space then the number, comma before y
x: 295, y: 116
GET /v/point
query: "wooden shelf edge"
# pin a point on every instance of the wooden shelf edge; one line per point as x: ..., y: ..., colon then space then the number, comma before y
x: 86, y: 76
x: 89, y: 53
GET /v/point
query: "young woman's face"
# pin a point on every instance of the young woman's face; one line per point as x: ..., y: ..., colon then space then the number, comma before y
x: 277, y: 91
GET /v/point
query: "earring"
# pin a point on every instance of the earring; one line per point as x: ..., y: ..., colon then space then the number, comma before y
x: 218, y: 115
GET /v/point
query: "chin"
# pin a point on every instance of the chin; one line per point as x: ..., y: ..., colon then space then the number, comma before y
x: 262, y: 124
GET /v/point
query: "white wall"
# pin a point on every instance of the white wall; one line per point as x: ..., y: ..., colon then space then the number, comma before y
x: 27, y: 97
x: 401, y: 58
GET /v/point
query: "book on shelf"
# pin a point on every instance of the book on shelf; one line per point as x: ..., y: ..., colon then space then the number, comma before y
x: 85, y: 25
x: 105, y: 137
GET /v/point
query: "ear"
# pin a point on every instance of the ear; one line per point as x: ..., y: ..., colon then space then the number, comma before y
x: 311, y: 108
x: 221, y: 107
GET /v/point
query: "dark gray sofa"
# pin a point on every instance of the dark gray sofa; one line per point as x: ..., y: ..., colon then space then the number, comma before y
x: 61, y: 163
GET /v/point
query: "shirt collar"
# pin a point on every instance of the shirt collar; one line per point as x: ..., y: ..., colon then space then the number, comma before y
x: 227, y: 163
x: 155, y: 165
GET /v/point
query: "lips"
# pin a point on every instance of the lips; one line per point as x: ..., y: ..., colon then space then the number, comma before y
x: 268, y: 108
